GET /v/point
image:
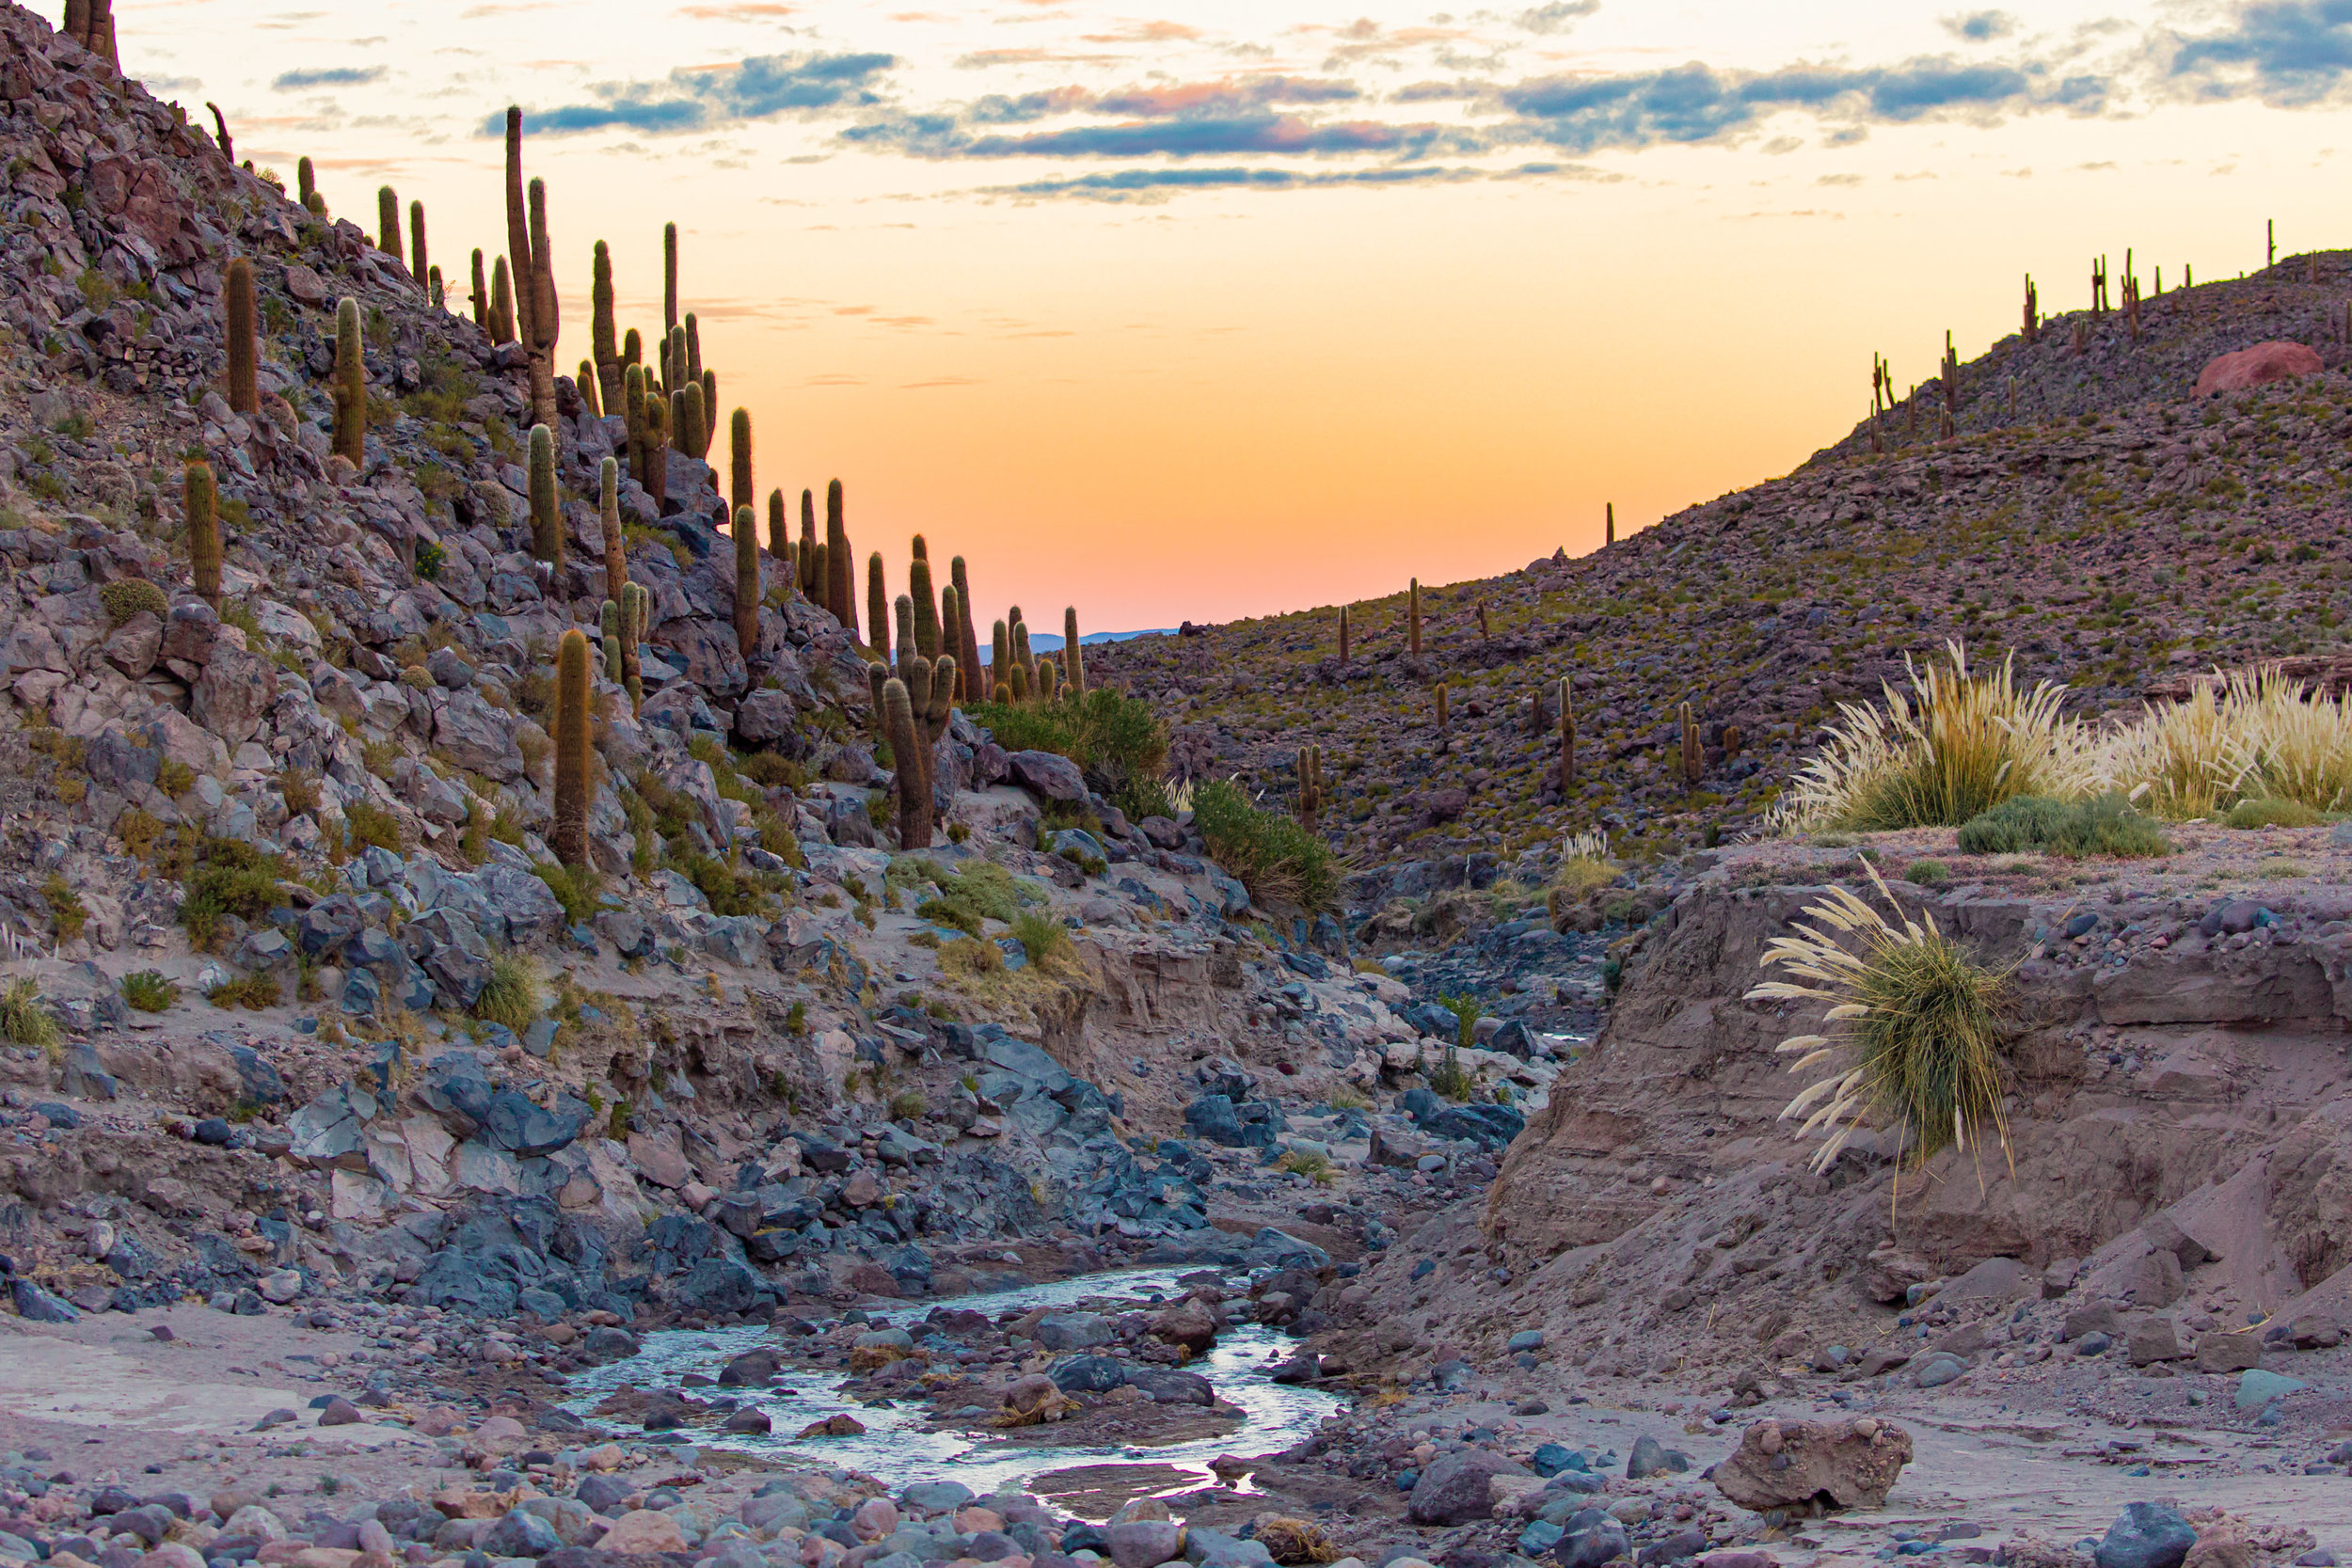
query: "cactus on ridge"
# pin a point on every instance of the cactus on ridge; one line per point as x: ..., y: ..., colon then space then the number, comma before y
x: 780, y: 538
x: 1413, y: 621
x: 657, y: 480
x: 201, y: 498
x: 926, y: 607
x: 585, y: 379
x: 502, y: 323
x: 387, y: 222
x: 1567, y: 736
x: 878, y: 609
x: 573, y: 754
x: 746, y: 531
x: 967, y: 646
x: 418, y: 266
x: 307, y: 188
x: 914, y: 808
x: 1000, y: 653
x: 740, y: 491
x: 1691, y: 754
x: 1609, y: 525
x: 244, y: 393
x: 1342, y: 634
x: 609, y: 629
x: 669, y: 277
x: 1309, y: 769
x: 687, y: 421
x: 840, y: 585
x: 710, y: 402
x: 636, y: 610
x: 351, y: 387
x: 547, y: 514
x: 1073, y: 658
x: 694, y: 347
x: 603, y: 338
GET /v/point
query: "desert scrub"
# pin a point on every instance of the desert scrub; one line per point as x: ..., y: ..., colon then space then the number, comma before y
x: 1276, y: 859
x: 2256, y: 735
x: 1927, y: 873
x: 256, y: 990
x: 575, y: 887
x: 908, y: 1105
x: 511, y: 995
x: 2108, y: 825
x: 1918, y: 1036
x: 228, y: 878
x: 980, y: 891
x: 67, y: 911
x: 24, y: 1018
x: 1449, y: 1078
x: 370, y: 826
x: 1118, y: 742
x: 2268, y: 813
x: 1314, y: 1166
x: 1041, y: 936
x: 148, y: 991
x: 126, y: 597
x: 1959, y: 744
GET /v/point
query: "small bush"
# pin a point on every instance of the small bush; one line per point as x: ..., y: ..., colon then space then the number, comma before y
x: 431, y: 557
x: 1307, y: 1163
x: 300, y: 790
x: 575, y: 887
x: 773, y: 770
x: 2280, y: 867
x: 126, y: 597
x: 971, y: 957
x: 1041, y: 936
x: 138, y: 830
x: 1582, y: 876
x: 511, y: 995
x: 730, y: 890
x: 370, y: 826
x: 1116, y: 740
x: 1449, y: 1078
x: 67, y: 911
x: 1276, y: 859
x: 149, y: 992
x: 24, y: 1018
x: 256, y: 990
x: 228, y: 878
x: 2272, y: 812
x: 1467, y: 1012
x: 2108, y: 825
x: 1928, y: 873
x: 175, y: 778
x: 1347, y: 1100
x: 908, y: 1105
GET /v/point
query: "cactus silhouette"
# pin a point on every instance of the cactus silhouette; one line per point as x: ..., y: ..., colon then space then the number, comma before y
x: 840, y: 591
x: 387, y: 222
x: 201, y: 498
x: 746, y: 580
x: 1073, y: 656
x: 603, y: 340
x: 418, y: 266
x: 878, y: 609
x: 739, y: 492
x: 244, y: 393
x: 572, y: 749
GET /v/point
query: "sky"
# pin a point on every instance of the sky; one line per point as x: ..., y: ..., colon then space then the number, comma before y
x: 1201, y: 310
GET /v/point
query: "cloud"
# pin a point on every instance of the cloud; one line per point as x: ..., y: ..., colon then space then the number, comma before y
x: 1156, y: 184
x: 1212, y: 136
x: 739, y: 10
x: 336, y: 76
x: 1147, y: 32
x: 2290, y: 54
x: 1980, y: 27
x: 701, y: 98
x: 1556, y: 17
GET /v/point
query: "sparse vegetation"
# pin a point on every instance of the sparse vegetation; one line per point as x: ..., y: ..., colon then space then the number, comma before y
x: 511, y: 995
x: 1276, y: 859
x: 25, y: 1018
x: 148, y: 991
x: 2108, y: 824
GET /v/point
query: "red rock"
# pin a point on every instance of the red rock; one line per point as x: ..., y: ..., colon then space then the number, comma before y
x: 2253, y: 367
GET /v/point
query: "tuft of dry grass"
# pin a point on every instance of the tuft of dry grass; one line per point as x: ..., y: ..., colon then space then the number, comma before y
x: 2252, y: 735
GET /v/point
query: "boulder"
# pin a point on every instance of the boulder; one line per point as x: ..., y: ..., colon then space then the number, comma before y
x: 642, y: 1531
x: 2146, y: 1535
x: 2276, y: 361
x: 1169, y: 1386
x: 2228, y: 1352
x: 233, y: 693
x: 1453, y: 1489
x: 1047, y: 776
x: 1851, y: 1463
x: 1088, y: 1374
x: 1189, y: 1324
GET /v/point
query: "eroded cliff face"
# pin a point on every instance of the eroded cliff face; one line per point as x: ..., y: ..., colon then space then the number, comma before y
x: 2180, y: 1063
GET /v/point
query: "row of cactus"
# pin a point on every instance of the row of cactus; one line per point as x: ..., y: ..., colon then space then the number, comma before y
x: 912, y: 709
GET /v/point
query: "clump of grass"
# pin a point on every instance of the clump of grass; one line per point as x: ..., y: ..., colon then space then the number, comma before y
x: 2252, y: 736
x: 257, y: 990
x: 370, y: 825
x: 2108, y: 825
x: 2281, y: 868
x: 1041, y: 936
x: 229, y: 878
x: 2272, y: 812
x: 1345, y: 1098
x: 24, y: 1018
x: 127, y: 596
x: 1928, y: 873
x: 67, y: 911
x: 1115, y: 741
x: 511, y: 995
x: 971, y: 956
x: 1276, y: 859
x: 575, y: 887
x: 1449, y: 1078
x: 148, y: 991
x: 1959, y: 744
x: 908, y: 1105
x: 1920, y: 1029
x: 1307, y: 1163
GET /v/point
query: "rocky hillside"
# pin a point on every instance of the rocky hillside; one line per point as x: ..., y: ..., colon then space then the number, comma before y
x: 2087, y: 514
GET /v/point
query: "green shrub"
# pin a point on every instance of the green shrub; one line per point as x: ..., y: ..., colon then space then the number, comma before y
x: 1115, y: 741
x: 1307, y: 1163
x: 730, y: 890
x: 1449, y: 1078
x: 372, y: 826
x: 2273, y: 812
x: 971, y: 957
x: 575, y: 887
x: 1041, y: 936
x: 907, y: 1104
x: 148, y: 991
x: 2108, y: 825
x: 1467, y: 1012
x: 24, y: 1019
x: 1276, y: 859
x: 1928, y: 873
x: 126, y: 597
x: 511, y: 995
x: 256, y: 990
x: 431, y: 557
x: 66, y: 910
x: 229, y: 878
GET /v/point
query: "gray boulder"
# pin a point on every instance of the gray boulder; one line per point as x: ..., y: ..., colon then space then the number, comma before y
x: 2146, y: 1535
x: 1453, y: 1490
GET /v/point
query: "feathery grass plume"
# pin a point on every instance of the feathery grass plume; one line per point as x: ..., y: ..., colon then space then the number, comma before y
x: 510, y: 997
x: 24, y: 1018
x: 2251, y: 735
x: 351, y: 387
x: 547, y: 513
x: 1412, y: 613
x: 1073, y: 652
x: 657, y: 480
x: 590, y: 397
x: 572, y: 756
x: 740, y: 491
x: 841, y: 587
x: 914, y: 815
x: 686, y: 420
x: 746, y: 531
x: 878, y: 609
x: 926, y: 607
x: 244, y: 391
x: 387, y: 222
x: 502, y: 323
x: 480, y: 298
x: 1919, y: 1029
x: 1342, y: 634
x: 419, y: 267
x: 546, y: 311
x: 1961, y: 743
x: 967, y: 645
x: 201, y: 498
x: 669, y: 277
x: 603, y: 332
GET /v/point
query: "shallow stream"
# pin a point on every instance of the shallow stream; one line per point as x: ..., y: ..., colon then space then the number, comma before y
x: 897, y: 1446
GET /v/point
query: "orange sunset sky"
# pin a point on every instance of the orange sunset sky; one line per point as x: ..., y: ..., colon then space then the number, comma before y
x: 1220, y: 308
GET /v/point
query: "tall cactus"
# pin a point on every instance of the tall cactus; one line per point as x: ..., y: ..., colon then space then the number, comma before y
x: 780, y: 536
x: 636, y: 617
x: 1074, y: 660
x: 740, y: 491
x: 925, y: 606
x: 633, y: 417
x: 609, y: 629
x: 950, y: 620
x: 687, y: 416
x: 1444, y: 724
x: 547, y: 513
x: 1000, y: 654
x: 1342, y: 634
x: 694, y: 347
x: 657, y: 480
x: 1567, y: 735
x: 746, y: 580
x: 387, y: 222
x: 905, y: 614
x: 710, y: 400
x: 1691, y: 754
x: 307, y: 188
x: 669, y: 277
x: 200, y: 497
x: 1413, y: 618
x: 573, y: 766
x: 967, y: 646
x: 502, y: 323
x: 244, y: 391
x: 878, y: 609
x: 632, y: 348
x: 546, y: 323
x: 812, y: 582
x: 351, y: 387
x: 604, y: 345
x: 1310, y: 766
x: 1048, y: 681
x: 914, y: 808
x: 435, y: 294
x: 419, y: 267
x: 821, y: 570
x: 617, y: 584
x: 480, y: 298
x: 1609, y: 525
x: 840, y: 585
x: 590, y: 398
